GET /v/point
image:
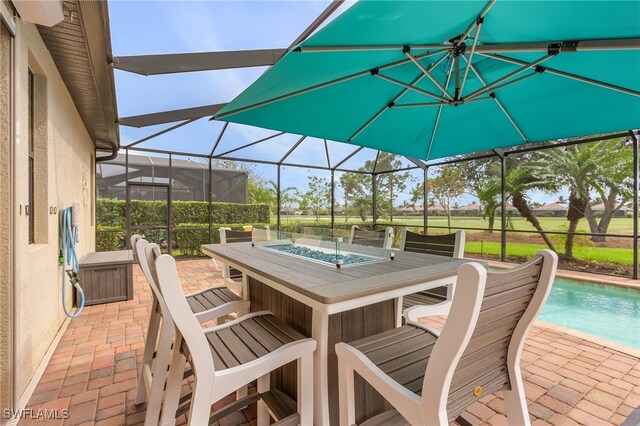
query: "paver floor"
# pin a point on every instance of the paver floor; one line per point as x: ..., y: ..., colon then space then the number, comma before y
x: 93, y: 370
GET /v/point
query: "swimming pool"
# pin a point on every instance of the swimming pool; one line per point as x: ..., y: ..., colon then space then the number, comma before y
x: 606, y: 311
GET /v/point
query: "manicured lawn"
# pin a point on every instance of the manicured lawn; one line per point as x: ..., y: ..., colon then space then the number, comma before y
x: 619, y: 225
x: 619, y: 256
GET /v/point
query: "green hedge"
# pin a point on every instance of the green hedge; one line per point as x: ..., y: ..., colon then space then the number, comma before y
x: 113, y: 212
x: 190, y: 236
x: 109, y: 238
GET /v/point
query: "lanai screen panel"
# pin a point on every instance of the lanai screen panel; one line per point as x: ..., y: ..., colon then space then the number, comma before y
x: 189, y: 179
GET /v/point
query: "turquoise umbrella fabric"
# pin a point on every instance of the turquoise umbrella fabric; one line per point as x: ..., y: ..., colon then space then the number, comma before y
x: 430, y: 79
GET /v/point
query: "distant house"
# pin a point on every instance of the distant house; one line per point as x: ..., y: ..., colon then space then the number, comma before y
x: 411, y: 210
x: 468, y: 210
x: 551, y: 210
x: 291, y: 211
x: 339, y: 209
x: 599, y: 208
x: 436, y: 210
x: 510, y: 210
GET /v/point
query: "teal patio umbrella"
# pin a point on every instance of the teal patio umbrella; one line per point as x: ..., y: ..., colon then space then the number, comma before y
x: 430, y: 79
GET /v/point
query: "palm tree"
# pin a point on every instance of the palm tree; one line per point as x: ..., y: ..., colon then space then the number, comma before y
x: 579, y: 168
x: 521, y: 177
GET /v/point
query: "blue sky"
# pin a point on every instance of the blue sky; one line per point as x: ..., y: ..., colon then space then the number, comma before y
x: 145, y: 27
x: 155, y: 27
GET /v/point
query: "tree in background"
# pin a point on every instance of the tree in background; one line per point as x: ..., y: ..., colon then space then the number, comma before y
x: 267, y: 193
x: 260, y: 193
x: 521, y: 177
x: 389, y: 185
x: 417, y: 196
x: 318, y: 196
x: 447, y: 187
x: 600, y: 166
x: 356, y: 188
x: 615, y: 188
x: 482, y: 179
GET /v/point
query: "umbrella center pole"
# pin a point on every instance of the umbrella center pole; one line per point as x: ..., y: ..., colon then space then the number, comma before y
x: 459, y: 49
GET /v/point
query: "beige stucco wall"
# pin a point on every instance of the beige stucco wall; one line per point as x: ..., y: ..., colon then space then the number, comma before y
x: 5, y: 223
x: 69, y: 172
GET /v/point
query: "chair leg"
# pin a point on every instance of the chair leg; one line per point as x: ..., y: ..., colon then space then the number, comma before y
x: 398, y: 311
x: 201, y: 401
x: 263, y: 413
x: 516, y: 403
x: 346, y: 394
x: 149, y: 347
x: 242, y: 392
x: 159, y: 376
x: 305, y: 389
x: 174, y: 385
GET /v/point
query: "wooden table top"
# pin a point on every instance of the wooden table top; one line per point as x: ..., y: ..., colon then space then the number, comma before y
x: 327, y: 284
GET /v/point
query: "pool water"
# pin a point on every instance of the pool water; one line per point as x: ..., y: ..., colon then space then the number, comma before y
x: 606, y: 311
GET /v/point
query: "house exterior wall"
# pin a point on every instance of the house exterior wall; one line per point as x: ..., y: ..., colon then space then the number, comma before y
x: 6, y: 294
x: 66, y: 169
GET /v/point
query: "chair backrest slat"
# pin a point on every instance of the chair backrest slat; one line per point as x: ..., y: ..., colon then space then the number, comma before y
x: 379, y: 239
x: 261, y: 234
x: 441, y: 245
x: 507, y: 296
x: 238, y: 236
x: 229, y: 236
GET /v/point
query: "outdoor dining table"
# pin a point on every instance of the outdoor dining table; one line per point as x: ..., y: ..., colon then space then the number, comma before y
x: 332, y: 305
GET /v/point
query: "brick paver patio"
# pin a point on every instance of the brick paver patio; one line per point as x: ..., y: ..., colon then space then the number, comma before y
x: 93, y: 371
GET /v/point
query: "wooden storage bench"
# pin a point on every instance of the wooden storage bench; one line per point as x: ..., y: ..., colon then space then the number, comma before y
x: 106, y: 277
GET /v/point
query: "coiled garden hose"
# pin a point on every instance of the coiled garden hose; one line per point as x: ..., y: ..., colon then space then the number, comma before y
x: 68, y: 257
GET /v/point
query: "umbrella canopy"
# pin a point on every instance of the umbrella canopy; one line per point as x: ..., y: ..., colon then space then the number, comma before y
x: 430, y: 79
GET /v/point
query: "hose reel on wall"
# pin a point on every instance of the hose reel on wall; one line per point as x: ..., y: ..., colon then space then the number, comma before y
x: 68, y: 231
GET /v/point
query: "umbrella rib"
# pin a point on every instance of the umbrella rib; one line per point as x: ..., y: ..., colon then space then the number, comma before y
x: 523, y: 68
x: 420, y: 104
x: 408, y: 86
x: 425, y: 71
x: 361, y: 48
x: 568, y: 75
x: 473, y: 49
x: 394, y: 100
x: 500, y: 105
x: 437, y: 122
x: 322, y: 85
x: 538, y: 46
x: 481, y: 16
x: 515, y: 80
